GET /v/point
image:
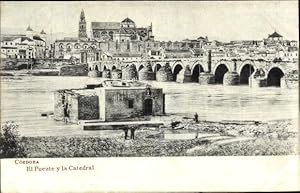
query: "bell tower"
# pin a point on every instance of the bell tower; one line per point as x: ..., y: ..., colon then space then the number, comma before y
x: 82, y: 26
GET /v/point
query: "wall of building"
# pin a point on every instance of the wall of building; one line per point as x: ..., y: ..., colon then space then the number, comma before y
x: 58, y: 108
x: 88, y: 107
x: 74, y: 70
x: 71, y: 47
x: 81, y: 107
x: 116, y: 106
x: 72, y: 101
x: 19, y: 47
x: 73, y: 107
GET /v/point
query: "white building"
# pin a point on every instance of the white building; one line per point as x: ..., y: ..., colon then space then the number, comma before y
x: 24, y: 46
x: 288, y: 54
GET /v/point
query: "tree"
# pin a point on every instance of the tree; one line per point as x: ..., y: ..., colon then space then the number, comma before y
x: 10, y: 141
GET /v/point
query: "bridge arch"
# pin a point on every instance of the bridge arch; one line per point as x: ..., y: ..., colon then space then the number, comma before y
x: 94, y: 67
x: 177, y: 67
x: 245, y: 71
x: 97, y: 68
x: 220, y: 71
x: 276, y: 65
x: 274, y: 75
x: 221, y: 63
x: 134, y: 65
x: 175, y: 64
x: 156, y: 67
x: 197, y: 68
x: 140, y: 67
x: 69, y: 46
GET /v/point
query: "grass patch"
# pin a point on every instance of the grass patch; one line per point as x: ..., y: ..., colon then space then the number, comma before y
x: 116, y: 147
x: 260, y: 146
x: 105, y: 147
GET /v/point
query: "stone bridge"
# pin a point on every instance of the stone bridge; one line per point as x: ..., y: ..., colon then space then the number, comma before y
x: 229, y: 71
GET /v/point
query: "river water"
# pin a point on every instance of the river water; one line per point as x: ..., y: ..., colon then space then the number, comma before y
x: 23, y: 98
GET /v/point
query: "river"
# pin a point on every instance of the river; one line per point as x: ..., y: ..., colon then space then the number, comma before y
x: 23, y: 98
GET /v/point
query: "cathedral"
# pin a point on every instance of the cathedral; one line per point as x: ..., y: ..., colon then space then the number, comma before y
x: 108, y: 37
x: 123, y: 31
x: 116, y: 40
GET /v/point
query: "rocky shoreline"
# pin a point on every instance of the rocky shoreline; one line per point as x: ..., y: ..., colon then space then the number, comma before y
x: 279, y: 129
x: 274, y: 138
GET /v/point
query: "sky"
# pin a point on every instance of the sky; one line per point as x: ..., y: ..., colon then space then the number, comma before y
x: 174, y: 21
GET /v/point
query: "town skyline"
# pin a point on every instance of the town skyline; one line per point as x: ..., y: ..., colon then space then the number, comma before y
x: 62, y: 18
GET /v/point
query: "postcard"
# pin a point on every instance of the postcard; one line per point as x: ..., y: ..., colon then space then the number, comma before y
x: 149, y: 96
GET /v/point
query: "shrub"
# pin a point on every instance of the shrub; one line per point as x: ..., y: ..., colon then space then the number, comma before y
x: 10, y: 141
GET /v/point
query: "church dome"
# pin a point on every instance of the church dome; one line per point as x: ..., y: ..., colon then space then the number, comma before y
x: 275, y: 35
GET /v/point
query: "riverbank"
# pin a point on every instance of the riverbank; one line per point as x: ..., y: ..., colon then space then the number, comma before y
x: 42, y: 147
x: 36, y: 72
x: 279, y: 140
x: 275, y: 129
x: 66, y: 70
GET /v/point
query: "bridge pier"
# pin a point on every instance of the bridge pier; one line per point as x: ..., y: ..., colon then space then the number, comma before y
x: 231, y: 78
x: 93, y: 74
x: 116, y: 74
x: 164, y: 74
x: 146, y: 73
x: 283, y: 83
x: 289, y: 83
x: 129, y: 73
x: 206, y: 78
x: 182, y: 78
x: 257, y: 82
x: 184, y: 75
x: 106, y: 74
x: 226, y: 71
